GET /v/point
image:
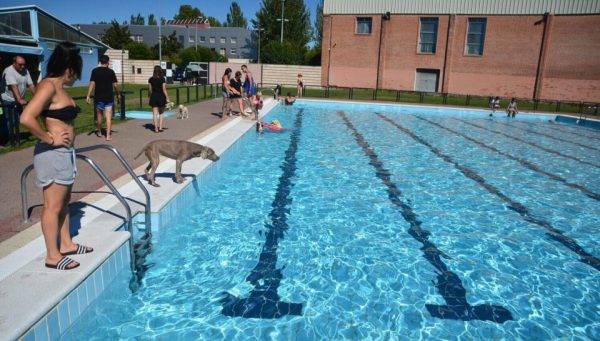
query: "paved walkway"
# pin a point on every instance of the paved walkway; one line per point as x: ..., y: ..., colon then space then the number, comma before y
x: 128, y: 137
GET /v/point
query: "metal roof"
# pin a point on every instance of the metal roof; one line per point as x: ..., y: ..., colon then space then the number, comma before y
x: 67, y: 26
x: 488, y: 7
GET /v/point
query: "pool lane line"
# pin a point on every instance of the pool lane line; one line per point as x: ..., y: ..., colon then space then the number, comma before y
x: 523, y: 162
x: 551, y: 151
x: 570, y: 131
x: 448, y: 283
x: 551, y: 231
x: 547, y: 135
x: 263, y: 301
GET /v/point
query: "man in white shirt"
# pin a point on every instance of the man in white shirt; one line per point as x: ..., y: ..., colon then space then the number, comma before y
x: 17, y: 80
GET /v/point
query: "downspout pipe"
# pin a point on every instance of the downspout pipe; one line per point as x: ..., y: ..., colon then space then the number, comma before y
x: 538, y: 74
x: 384, y: 17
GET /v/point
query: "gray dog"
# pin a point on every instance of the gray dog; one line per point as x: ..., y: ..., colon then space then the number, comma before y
x: 177, y: 150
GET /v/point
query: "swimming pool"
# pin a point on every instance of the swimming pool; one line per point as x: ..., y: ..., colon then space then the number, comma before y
x: 377, y: 222
x: 143, y: 115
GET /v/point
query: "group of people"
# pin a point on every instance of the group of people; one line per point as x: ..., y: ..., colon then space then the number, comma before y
x: 244, y: 94
x: 494, y: 105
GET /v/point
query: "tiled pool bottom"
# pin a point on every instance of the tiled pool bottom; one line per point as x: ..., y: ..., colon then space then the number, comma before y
x: 60, y: 319
x: 369, y: 277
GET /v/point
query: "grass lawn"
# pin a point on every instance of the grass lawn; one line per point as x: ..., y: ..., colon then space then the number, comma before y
x: 137, y: 99
x: 85, y: 121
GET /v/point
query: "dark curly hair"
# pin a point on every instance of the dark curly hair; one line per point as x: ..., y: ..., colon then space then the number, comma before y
x: 65, y: 56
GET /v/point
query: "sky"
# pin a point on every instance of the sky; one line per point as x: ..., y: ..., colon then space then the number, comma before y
x: 87, y: 11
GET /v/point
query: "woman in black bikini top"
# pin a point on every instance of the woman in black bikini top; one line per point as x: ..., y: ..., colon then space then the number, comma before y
x: 54, y: 155
x: 66, y: 114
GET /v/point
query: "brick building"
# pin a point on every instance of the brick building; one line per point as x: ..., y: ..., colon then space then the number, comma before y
x: 543, y: 49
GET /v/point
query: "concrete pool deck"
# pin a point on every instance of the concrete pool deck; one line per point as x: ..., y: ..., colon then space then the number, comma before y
x: 29, y: 290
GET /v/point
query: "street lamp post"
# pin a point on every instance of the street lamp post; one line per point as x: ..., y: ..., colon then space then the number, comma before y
x: 282, y: 18
x: 196, y: 39
x: 159, y: 42
x: 258, y: 30
x: 159, y: 34
x: 122, y: 99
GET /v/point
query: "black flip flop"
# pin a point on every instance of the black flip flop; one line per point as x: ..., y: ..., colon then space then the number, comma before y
x: 80, y: 250
x: 63, y: 264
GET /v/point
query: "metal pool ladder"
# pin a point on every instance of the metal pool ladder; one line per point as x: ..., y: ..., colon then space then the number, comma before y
x: 147, y: 215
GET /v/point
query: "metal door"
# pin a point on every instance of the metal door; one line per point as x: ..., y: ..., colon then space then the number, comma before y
x: 427, y: 80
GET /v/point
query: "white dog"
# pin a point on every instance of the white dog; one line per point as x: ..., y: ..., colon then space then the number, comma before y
x: 169, y: 105
x: 182, y: 112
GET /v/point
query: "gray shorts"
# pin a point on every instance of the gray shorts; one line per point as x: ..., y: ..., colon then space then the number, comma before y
x: 54, y: 164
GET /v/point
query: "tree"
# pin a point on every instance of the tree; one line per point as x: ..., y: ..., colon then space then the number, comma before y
x: 188, y: 12
x: 151, y: 20
x: 318, y: 29
x: 213, y: 22
x: 140, y: 51
x: 313, y: 56
x: 137, y: 20
x: 275, y: 52
x: 170, y: 46
x: 295, y: 31
x: 204, y: 54
x: 117, y: 37
x: 235, y: 17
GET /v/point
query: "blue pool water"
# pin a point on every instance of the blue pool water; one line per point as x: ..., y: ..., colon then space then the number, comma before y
x: 377, y: 222
x: 143, y: 115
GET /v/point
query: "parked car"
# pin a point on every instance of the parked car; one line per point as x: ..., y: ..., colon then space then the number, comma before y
x: 179, y: 74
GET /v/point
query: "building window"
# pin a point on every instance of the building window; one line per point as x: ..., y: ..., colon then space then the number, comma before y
x: 202, y: 39
x: 364, y: 25
x: 137, y: 38
x: 222, y: 51
x: 191, y: 40
x: 19, y: 24
x: 233, y: 40
x: 475, y: 36
x: 212, y: 40
x: 428, y: 35
x: 223, y: 40
x: 233, y: 51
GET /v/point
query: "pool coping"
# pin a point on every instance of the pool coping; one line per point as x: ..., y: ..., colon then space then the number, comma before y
x: 30, y: 314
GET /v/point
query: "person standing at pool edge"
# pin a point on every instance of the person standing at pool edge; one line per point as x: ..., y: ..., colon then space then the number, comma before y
x: 104, y: 79
x: 226, y: 108
x: 159, y: 97
x: 54, y: 155
x: 249, y: 83
x: 300, y: 82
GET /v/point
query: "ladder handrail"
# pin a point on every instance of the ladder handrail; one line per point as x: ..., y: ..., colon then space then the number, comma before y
x: 108, y: 183
x: 147, y: 213
x: 24, y: 205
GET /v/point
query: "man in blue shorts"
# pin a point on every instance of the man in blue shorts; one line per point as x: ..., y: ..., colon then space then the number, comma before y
x: 249, y: 83
x: 105, y: 80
